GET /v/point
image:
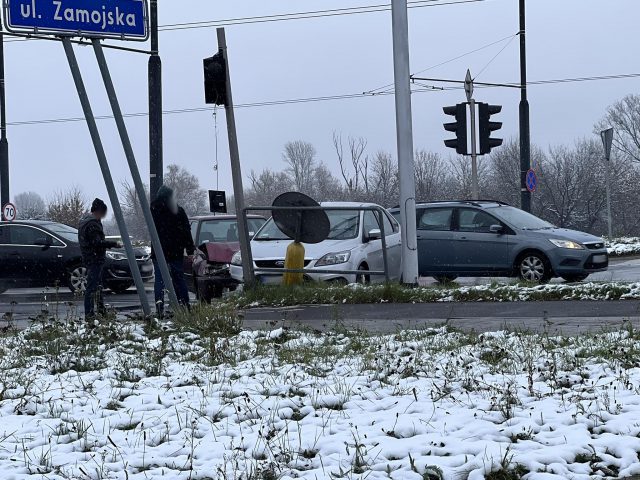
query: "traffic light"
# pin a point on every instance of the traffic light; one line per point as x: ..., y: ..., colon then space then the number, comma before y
x: 215, y: 80
x: 487, y: 127
x: 459, y: 127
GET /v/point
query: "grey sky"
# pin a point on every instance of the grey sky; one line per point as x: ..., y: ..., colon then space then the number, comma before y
x: 310, y: 58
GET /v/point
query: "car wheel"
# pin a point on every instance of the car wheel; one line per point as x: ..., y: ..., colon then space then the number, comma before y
x: 534, y: 267
x: 575, y: 278
x: 444, y: 279
x: 77, y: 279
x: 120, y: 288
x: 363, y: 278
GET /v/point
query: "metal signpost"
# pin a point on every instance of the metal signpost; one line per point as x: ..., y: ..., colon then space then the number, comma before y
x: 9, y: 212
x: 468, y: 88
x: 97, y: 19
x: 404, y: 127
x: 607, y: 142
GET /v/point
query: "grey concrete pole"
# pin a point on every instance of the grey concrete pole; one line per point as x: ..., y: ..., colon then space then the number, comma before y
x: 236, y: 171
x: 525, y: 128
x: 106, y: 172
x: 135, y: 173
x: 156, y: 162
x: 404, y: 128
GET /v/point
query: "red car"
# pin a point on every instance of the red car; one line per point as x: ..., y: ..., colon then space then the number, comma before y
x: 216, y: 239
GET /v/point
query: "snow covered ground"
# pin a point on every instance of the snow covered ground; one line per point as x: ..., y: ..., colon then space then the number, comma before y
x: 203, y: 401
x: 623, y: 246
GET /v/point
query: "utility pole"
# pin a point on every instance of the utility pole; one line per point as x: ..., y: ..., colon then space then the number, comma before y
x: 525, y: 129
x: 156, y: 167
x: 236, y: 170
x: 468, y: 88
x: 607, y: 142
x: 5, y: 196
x: 404, y: 127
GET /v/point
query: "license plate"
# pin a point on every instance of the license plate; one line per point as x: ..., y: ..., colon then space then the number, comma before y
x: 599, y: 258
x: 147, y: 268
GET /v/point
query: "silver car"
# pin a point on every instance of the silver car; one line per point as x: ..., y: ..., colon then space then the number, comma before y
x: 486, y: 238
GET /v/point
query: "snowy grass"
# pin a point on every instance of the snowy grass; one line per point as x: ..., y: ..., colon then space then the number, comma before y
x: 199, y: 398
x: 623, y: 246
x: 327, y: 294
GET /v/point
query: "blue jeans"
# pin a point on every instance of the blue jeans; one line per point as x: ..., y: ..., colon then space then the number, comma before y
x: 176, y: 269
x: 93, y: 290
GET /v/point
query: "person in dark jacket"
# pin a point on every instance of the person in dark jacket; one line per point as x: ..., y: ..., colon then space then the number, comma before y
x: 94, y: 250
x: 174, y: 231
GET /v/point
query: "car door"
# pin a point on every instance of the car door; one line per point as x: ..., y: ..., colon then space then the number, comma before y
x: 477, y: 249
x: 394, y: 246
x: 5, y: 250
x: 372, y: 248
x: 435, y: 253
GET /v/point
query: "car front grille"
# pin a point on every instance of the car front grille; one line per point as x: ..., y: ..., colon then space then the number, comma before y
x: 594, y: 246
x: 275, y: 263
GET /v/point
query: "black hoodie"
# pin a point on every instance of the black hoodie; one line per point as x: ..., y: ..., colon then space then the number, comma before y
x: 173, y: 229
x: 92, y: 241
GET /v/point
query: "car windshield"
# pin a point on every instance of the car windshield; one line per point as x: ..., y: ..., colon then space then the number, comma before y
x: 214, y: 231
x: 520, y: 219
x: 345, y: 224
x: 67, y: 233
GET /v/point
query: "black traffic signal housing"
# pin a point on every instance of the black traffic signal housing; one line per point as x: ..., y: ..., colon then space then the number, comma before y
x: 459, y: 127
x: 487, y: 127
x: 215, y: 80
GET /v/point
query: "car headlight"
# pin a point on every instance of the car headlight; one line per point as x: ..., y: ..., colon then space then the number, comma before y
x: 117, y: 256
x: 333, y: 259
x: 566, y: 244
x: 236, y: 259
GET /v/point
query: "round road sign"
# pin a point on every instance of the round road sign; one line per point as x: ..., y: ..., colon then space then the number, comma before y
x: 532, y: 181
x: 9, y: 212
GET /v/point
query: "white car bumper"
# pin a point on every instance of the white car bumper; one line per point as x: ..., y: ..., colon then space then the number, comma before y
x: 276, y: 279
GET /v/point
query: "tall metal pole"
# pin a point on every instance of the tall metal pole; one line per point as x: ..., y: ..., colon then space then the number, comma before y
x: 156, y: 166
x: 475, y: 189
x: 236, y: 170
x: 106, y: 172
x: 5, y: 195
x: 607, y: 143
x: 525, y: 130
x: 404, y: 127
x: 135, y: 173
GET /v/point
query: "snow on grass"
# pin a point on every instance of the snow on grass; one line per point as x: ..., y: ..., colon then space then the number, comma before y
x: 315, y: 294
x: 623, y: 246
x: 201, y: 399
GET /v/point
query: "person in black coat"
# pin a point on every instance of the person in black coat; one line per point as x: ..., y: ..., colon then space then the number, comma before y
x: 93, y: 247
x: 174, y: 231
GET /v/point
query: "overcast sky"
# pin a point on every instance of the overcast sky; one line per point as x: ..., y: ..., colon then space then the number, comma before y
x: 311, y: 58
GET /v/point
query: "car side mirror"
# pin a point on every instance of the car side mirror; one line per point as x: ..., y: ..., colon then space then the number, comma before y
x: 374, y: 234
x: 497, y: 229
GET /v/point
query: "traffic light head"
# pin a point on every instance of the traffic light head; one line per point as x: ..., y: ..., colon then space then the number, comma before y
x: 459, y: 127
x: 487, y: 127
x: 215, y: 80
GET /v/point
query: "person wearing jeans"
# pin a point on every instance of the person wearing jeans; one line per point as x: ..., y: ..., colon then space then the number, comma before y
x: 174, y: 232
x: 93, y: 247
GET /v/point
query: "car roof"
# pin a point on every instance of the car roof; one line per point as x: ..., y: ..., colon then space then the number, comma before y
x: 349, y: 204
x: 35, y: 223
x: 474, y: 203
x: 224, y: 217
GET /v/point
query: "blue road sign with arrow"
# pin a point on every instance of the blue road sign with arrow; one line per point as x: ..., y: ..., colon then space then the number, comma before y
x: 121, y: 19
x: 532, y: 181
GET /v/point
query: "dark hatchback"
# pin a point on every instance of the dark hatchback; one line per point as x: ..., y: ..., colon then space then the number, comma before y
x: 207, y: 273
x: 37, y: 254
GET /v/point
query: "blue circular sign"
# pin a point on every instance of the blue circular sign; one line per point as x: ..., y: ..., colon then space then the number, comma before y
x: 532, y: 181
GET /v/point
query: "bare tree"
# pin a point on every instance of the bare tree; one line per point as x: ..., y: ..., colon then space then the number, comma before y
x: 67, y: 207
x: 132, y: 211
x: 384, y: 180
x: 300, y: 159
x: 326, y: 187
x: 624, y: 117
x: 266, y: 186
x: 187, y: 190
x: 30, y: 206
x: 433, y: 177
x: 355, y: 169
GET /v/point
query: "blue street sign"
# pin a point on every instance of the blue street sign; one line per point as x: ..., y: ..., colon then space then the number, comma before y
x: 532, y: 181
x: 121, y: 19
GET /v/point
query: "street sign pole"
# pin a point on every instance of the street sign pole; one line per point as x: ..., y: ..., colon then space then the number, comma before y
x: 106, y: 172
x: 135, y: 173
x: 525, y: 129
x: 156, y: 163
x: 5, y: 184
x: 404, y: 127
x: 468, y: 87
x: 236, y: 170
x: 607, y: 142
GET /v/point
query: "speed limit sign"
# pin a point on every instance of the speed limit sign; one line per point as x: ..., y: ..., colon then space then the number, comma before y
x: 9, y: 212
